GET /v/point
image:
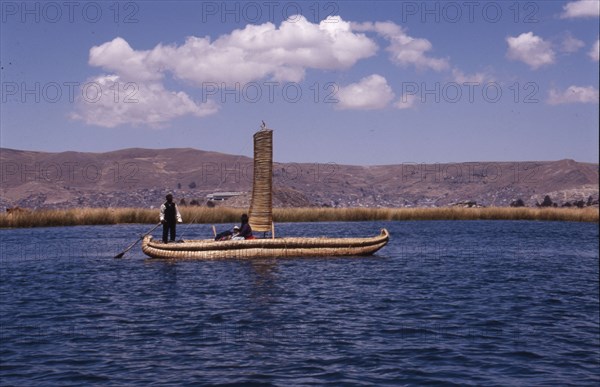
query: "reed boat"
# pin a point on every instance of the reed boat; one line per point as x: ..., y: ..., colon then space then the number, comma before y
x: 265, y: 248
x: 261, y: 220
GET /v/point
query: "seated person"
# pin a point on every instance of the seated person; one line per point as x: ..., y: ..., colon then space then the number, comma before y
x: 236, y: 234
x: 227, y: 234
x: 245, y: 229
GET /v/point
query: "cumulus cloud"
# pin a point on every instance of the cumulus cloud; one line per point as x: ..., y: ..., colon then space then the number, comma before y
x: 530, y: 49
x: 109, y: 101
x: 573, y: 94
x: 248, y: 54
x: 404, y: 50
x: 593, y: 53
x: 581, y: 8
x: 118, y: 56
x: 370, y: 93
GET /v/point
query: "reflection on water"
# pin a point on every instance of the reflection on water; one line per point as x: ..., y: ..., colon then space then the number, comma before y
x: 263, y: 276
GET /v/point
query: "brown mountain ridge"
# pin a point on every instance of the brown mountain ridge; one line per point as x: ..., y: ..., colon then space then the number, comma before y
x: 139, y: 177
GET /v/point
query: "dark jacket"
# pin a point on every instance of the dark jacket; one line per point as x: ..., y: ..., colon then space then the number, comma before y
x: 170, y: 213
x: 246, y: 231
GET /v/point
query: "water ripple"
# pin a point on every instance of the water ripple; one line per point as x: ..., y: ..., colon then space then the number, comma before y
x: 445, y: 303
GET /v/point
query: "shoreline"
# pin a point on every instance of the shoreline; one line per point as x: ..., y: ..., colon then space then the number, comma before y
x: 205, y: 215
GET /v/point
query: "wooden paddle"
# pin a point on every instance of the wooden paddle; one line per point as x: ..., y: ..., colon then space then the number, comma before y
x: 120, y: 255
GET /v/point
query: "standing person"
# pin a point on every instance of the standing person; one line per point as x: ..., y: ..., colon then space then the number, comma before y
x: 169, y: 217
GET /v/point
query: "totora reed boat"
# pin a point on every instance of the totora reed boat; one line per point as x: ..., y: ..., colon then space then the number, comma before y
x: 261, y: 220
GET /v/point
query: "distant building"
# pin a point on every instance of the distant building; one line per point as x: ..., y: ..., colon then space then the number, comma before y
x: 223, y: 195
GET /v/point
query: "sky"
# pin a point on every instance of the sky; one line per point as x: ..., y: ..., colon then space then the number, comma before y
x: 347, y: 82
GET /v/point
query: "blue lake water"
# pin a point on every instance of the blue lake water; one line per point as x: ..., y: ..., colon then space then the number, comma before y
x: 465, y: 303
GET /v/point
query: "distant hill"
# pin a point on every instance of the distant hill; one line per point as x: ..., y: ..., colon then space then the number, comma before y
x: 141, y: 177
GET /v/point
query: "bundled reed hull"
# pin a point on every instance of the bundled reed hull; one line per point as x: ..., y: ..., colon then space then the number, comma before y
x: 265, y: 248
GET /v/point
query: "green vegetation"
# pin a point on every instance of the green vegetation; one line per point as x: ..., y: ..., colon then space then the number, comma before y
x: 99, y: 216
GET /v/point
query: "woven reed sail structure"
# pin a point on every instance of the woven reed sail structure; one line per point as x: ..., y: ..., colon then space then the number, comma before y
x: 261, y: 206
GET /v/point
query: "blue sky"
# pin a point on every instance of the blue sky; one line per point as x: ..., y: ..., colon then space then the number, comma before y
x: 353, y: 82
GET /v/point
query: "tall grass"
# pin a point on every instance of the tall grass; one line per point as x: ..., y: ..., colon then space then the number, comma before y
x: 438, y: 213
x: 100, y: 216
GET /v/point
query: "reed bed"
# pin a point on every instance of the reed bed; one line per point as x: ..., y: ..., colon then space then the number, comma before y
x: 103, y: 216
x: 438, y: 213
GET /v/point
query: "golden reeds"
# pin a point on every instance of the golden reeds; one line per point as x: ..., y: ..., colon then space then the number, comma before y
x: 206, y: 215
x: 590, y: 214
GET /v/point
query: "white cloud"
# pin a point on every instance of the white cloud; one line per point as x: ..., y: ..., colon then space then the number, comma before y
x: 248, y: 54
x: 573, y: 94
x: 372, y: 92
x: 118, y: 56
x: 478, y: 78
x: 570, y: 44
x: 404, y: 50
x: 581, y: 8
x: 407, y: 101
x: 109, y: 101
x: 530, y: 49
x: 593, y: 53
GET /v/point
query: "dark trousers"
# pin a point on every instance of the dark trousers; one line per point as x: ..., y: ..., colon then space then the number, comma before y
x: 169, y: 227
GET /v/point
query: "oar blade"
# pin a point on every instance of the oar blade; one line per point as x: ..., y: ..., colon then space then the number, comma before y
x: 121, y: 254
